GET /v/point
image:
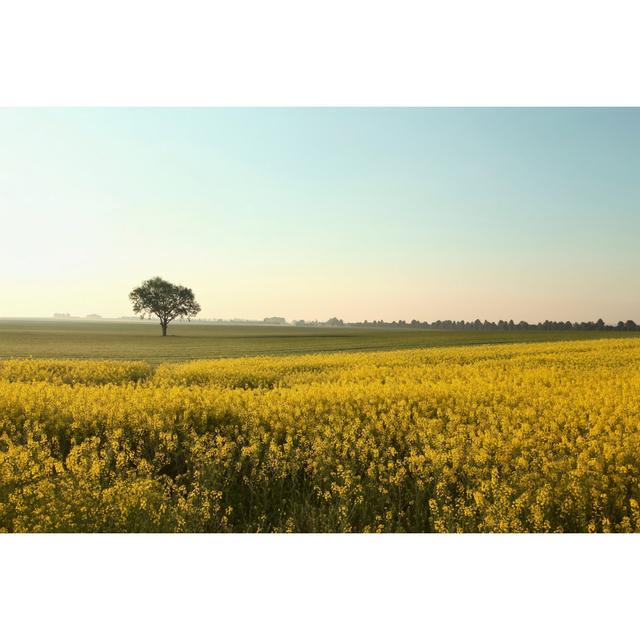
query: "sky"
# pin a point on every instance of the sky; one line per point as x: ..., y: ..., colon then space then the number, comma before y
x: 360, y: 213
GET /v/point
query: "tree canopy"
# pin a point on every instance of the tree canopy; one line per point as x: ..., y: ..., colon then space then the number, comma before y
x: 164, y: 300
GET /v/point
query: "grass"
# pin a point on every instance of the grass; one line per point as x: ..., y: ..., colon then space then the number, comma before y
x: 142, y: 340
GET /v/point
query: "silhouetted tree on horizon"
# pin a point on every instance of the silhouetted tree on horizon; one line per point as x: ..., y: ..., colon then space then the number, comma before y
x: 166, y: 301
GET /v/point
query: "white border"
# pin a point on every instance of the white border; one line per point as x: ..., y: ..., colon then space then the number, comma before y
x: 334, y: 52
x: 312, y: 586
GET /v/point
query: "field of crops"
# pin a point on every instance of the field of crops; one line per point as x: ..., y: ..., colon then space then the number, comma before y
x: 133, y: 340
x: 537, y: 437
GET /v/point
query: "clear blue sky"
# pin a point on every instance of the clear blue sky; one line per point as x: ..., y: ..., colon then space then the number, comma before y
x: 309, y: 213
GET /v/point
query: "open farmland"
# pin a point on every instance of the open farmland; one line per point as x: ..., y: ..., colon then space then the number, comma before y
x: 142, y: 340
x: 526, y: 437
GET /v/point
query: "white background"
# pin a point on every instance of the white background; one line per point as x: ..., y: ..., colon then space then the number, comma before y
x: 327, y: 52
x: 318, y: 53
x: 318, y: 586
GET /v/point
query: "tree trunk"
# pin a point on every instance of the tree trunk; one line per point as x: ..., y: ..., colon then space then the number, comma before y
x: 164, y: 328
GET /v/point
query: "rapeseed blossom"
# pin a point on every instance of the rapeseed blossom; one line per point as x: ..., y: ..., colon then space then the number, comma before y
x: 540, y: 437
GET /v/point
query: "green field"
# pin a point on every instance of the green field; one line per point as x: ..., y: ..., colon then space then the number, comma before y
x: 142, y: 340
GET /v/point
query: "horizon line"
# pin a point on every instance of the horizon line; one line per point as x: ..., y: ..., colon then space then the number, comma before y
x: 292, y: 322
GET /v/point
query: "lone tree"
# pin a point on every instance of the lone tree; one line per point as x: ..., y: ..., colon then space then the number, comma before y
x: 166, y: 301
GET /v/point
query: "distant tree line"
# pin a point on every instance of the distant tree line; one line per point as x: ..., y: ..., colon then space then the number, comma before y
x: 502, y: 325
x: 477, y: 325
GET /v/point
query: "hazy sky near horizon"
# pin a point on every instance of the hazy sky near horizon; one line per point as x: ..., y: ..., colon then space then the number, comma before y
x: 309, y: 213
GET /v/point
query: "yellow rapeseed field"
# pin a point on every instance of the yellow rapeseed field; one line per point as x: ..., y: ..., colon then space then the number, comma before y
x: 538, y: 437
